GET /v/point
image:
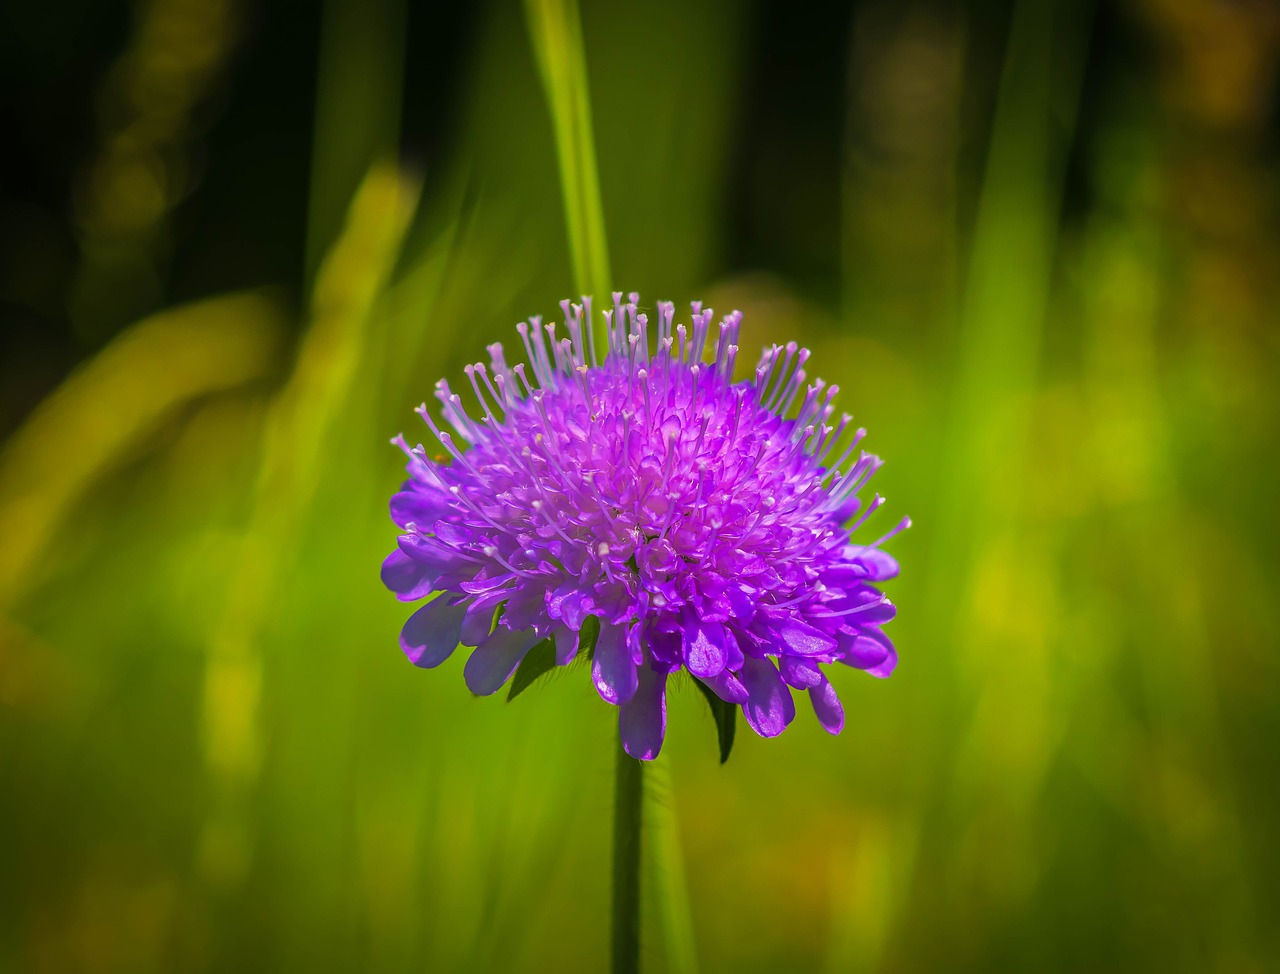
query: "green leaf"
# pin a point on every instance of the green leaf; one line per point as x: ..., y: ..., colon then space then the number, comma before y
x: 588, y: 636
x: 539, y: 660
x: 726, y: 717
x: 542, y: 658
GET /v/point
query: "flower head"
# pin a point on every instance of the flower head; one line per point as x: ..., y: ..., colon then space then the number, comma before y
x: 704, y: 523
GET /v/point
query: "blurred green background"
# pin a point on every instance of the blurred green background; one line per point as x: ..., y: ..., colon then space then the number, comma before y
x: 1037, y: 245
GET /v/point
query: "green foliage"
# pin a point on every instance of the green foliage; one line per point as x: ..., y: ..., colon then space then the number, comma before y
x: 541, y: 660
x: 725, y: 716
x: 587, y: 638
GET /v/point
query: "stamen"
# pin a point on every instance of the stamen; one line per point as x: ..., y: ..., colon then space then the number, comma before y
x: 782, y: 376
x: 897, y: 529
x: 589, y: 324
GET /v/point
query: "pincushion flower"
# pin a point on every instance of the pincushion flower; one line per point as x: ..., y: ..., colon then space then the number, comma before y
x: 705, y: 524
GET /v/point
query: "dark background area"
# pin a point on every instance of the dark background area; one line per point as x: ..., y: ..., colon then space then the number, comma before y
x: 242, y: 222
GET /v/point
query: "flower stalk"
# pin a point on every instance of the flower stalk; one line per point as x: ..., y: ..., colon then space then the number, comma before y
x: 627, y: 820
x: 555, y: 29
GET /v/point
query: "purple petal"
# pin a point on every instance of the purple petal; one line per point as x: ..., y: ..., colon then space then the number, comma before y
x: 611, y: 601
x: 802, y: 638
x: 404, y: 576
x: 453, y: 536
x: 742, y: 601
x: 430, y: 552
x: 431, y: 634
x: 877, y: 565
x: 527, y: 608
x: 421, y: 508
x: 635, y: 646
x: 727, y: 687
x: 733, y: 652
x: 799, y: 637
x: 847, y: 510
x: 769, y: 707
x: 566, y: 641
x: 478, y: 622
x: 487, y: 579
x: 494, y: 660
x: 864, y: 565
x: 866, y: 649
x: 642, y: 720
x: 665, y: 647
x: 801, y: 673
x: 826, y: 705
x: 566, y: 604
x: 453, y: 581
x: 704, y: 648
x: 612, y: 670
x: 878, y: 612
x: 887, y: 667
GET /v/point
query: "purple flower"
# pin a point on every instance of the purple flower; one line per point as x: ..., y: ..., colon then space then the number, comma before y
x: 704, y: 523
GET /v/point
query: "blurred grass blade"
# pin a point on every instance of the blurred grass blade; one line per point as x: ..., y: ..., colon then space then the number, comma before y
x: 359, y: 79
x: 412, y: 304
x: 1007, y: 288
x: 1002, y: 618
x: 348, y: 287
x: 555, y: 29
x: 300, y: 423
x: 110, y: 405
x: 666, y: 858
x: 870, y: 866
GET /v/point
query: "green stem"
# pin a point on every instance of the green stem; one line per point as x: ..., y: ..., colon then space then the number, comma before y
x: 555, y: 29
x: 628, y: 798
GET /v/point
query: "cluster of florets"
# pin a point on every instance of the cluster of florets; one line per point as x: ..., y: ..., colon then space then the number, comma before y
x: 703, y: 523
